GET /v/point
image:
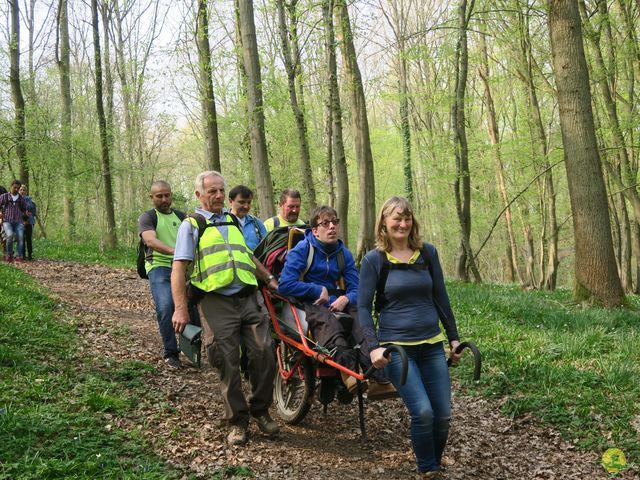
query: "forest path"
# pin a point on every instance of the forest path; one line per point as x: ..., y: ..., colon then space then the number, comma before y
x: 116, y: 320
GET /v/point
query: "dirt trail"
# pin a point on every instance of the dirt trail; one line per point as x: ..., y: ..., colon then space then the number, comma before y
x: 117, y: 321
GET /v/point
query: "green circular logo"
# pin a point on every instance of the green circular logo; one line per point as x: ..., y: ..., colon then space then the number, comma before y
x: 613, y: 460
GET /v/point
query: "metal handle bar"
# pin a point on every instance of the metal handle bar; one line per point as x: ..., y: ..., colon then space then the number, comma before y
x: 403, y: 359
x: 477, y: 357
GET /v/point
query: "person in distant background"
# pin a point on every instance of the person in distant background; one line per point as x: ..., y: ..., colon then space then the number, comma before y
x: 12, y: 209
x: 29, y: 222
x: 2, y: 238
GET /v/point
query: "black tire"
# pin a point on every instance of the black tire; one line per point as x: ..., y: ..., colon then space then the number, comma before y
x: 293, y: 398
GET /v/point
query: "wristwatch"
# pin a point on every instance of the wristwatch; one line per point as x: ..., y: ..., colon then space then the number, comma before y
x: 269, y: 278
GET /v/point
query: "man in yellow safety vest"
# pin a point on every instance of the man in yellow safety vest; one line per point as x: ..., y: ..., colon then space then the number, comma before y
x: 211, y: 251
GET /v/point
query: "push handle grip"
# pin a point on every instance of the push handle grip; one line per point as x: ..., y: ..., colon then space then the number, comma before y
x: 477, y: 357
x: 403, y: 358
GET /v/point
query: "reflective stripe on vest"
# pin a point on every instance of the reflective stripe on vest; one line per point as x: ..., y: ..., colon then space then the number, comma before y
x: 218, y: 262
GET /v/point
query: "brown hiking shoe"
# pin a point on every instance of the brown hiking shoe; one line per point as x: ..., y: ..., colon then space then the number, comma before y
x: 381, y: 391
x: 435, y: 475
x: 237, y: 435
x: 266, y: 424
x: 352, y: 383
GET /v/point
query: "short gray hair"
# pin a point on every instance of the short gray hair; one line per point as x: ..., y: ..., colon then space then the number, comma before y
x: 209, y: 173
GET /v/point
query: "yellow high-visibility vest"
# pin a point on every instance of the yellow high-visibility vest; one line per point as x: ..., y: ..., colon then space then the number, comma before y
x: 218, y: 261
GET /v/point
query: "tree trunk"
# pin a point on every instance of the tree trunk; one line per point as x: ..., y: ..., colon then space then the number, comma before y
x: 66, y: 130
x: 242, y: 85
x: 462, y: 184
x: 293, y: 70
x: 210, y: 118
x: 337, y: 141
x: 397, y: 20
x: 16, y: 92
x: 596, y: 277
x: 264, y: 187
x: 127, y: 104
x: 550, y: 222
x: 494, y: 137
x: 110, y: 234
x: 360, y: 129
x: 626, y: 277
x: 108, y: 78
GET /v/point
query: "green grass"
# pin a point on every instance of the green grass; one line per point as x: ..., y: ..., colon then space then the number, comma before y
x: 119, y: 257
x: 58, y: 410
x: 575, y: 368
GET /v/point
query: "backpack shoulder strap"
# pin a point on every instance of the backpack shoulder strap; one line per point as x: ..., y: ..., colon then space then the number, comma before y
x: 154, y: 221
x: 201, y: 223
x: 380, y: 299
x: 276, y: 221
x: 309, y: 260
x: 154, y: 217
x: 180, y: 214
x: 235, y: 221
x: 424, y: 251
x: 256, y: 228
x: 342, y: 264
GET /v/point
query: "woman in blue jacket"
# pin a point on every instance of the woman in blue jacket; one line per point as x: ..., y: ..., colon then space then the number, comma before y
x: 405, y: 276
x: 326, y: 286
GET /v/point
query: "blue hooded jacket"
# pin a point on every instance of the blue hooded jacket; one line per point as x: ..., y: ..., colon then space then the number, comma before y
x: 324, y: 271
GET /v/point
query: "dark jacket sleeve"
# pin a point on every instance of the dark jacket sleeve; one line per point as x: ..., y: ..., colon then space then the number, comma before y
x: 369, y: 271
x: 23, y: 204
x: 440, y: 296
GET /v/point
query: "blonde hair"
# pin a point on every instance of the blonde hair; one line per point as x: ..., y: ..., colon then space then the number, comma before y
x: 382, y: 238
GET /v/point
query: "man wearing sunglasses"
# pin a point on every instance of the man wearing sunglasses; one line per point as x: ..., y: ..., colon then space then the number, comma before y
x: 321, y: 272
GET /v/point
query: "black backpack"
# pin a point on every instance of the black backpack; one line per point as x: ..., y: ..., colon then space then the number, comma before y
x: 142, y: 247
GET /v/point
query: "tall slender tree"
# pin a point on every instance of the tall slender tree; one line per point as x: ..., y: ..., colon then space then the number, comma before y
x: 63, y: 61
x: 16, y: 91
x: 259, y: 156
x: 360, y: 129
x: 293, y: 69
x: 494, y: 138
x: 209, y: 115
x: 398, y: 19
x: 548, y: 273
x: 462, y: 184
x: 335, y: 112
x: 110, y: 236
x: 596, y: 276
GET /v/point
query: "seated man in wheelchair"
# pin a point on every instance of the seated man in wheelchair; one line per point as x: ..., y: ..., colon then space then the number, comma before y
x: 321, y: 272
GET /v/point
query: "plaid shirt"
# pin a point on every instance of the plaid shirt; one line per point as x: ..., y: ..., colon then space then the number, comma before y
x: 12, y: 211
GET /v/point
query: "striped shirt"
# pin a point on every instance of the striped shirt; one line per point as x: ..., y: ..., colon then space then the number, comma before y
x: 12, y: 210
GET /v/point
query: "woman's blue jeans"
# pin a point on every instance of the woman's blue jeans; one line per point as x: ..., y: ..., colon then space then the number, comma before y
x: 427, y: 396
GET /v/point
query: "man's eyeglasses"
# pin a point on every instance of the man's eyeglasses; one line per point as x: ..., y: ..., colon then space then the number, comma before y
x: 325, y: 223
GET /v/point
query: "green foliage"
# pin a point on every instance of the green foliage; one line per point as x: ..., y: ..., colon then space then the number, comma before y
x: 56, y: 408
x: 575, y: 368
x: 88, y: 252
